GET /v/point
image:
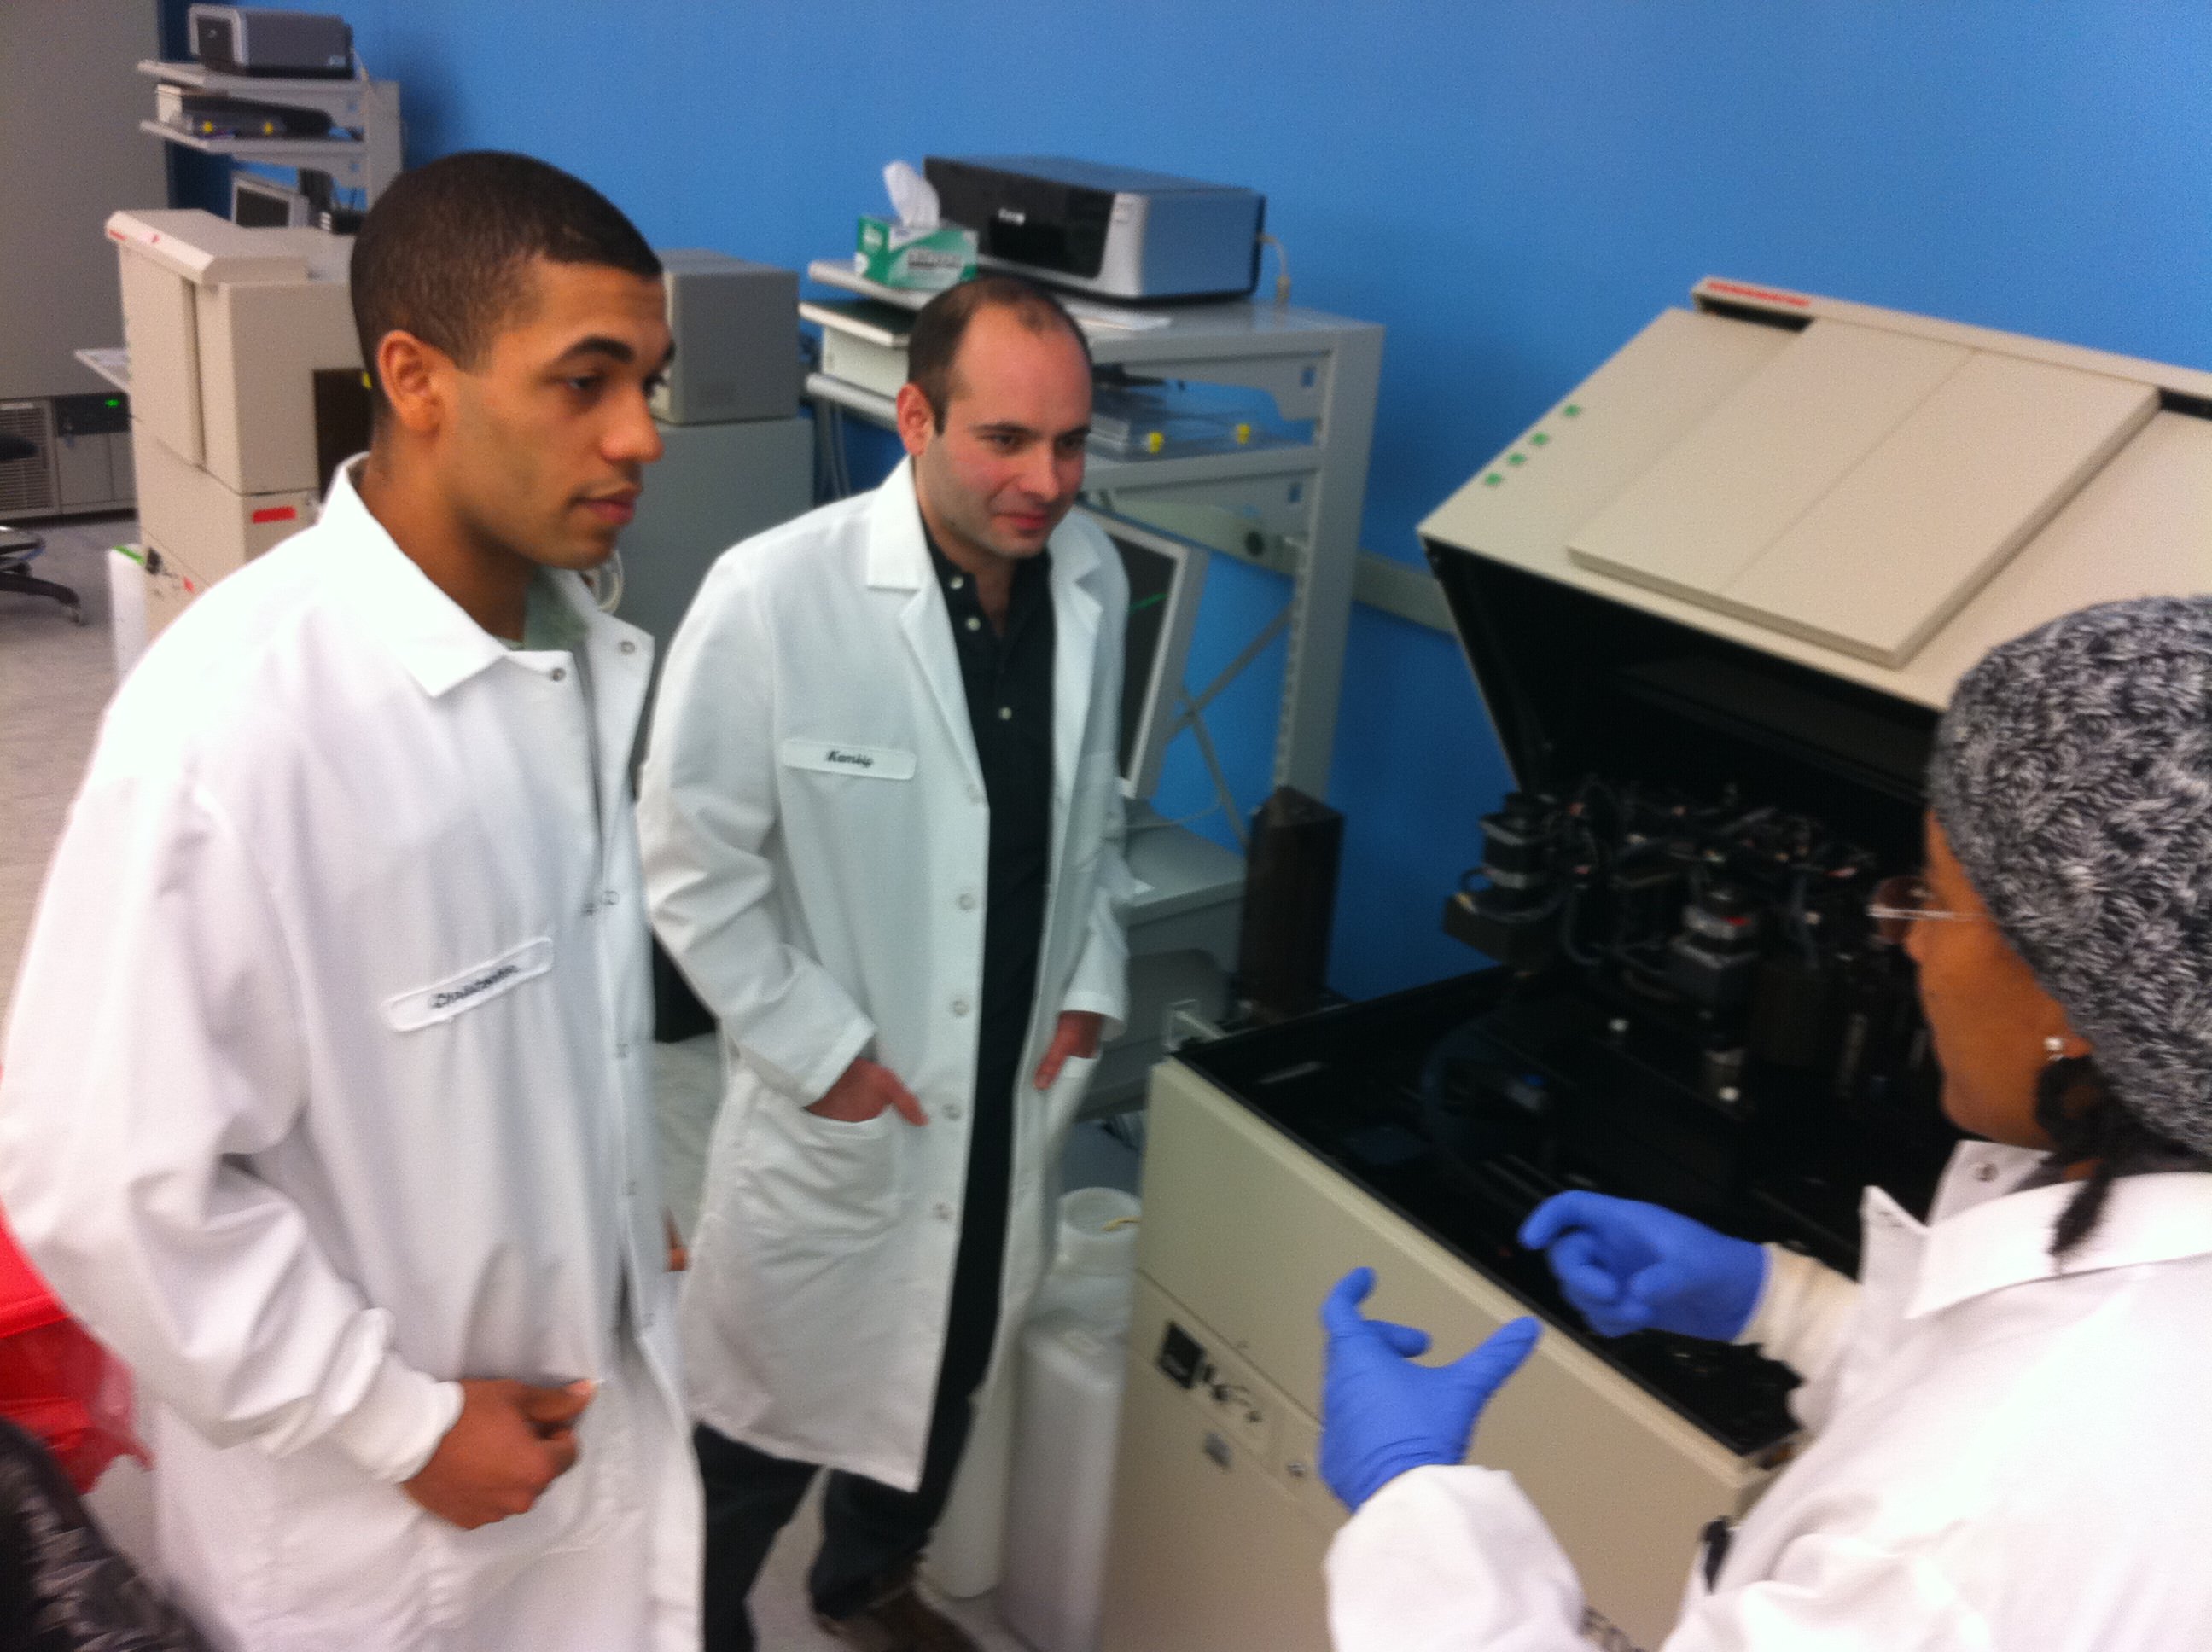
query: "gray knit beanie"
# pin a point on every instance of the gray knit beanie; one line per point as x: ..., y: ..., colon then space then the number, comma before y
x: 2073, y: 777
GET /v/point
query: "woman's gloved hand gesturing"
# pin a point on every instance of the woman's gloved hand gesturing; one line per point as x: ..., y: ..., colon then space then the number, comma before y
x: 1382, y: 1414
x: 1630, y: 1267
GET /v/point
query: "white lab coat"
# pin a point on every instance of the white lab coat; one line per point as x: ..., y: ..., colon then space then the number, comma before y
x: 326, y: 1085
x: 816, y: 849
x: 2003, y: 1458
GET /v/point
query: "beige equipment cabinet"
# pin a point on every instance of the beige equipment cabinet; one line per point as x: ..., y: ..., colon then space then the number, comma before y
x: 179, y: 504
x: 225, y: 330
x: 1220, y: 1520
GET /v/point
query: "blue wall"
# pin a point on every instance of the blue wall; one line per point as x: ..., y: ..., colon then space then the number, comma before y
x: 1512, y: 188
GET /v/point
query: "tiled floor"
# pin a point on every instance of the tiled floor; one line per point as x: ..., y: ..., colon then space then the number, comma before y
x: 55, y: 677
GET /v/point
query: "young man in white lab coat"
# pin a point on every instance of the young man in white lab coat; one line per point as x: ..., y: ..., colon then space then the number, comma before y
x: 325, y: 1091
x: 882, y: 827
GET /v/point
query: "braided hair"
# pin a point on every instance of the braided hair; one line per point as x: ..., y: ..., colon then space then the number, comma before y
x: 2084, y: 1121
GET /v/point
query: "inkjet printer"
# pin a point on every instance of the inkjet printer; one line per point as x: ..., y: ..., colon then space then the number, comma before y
x: 1111, y: 231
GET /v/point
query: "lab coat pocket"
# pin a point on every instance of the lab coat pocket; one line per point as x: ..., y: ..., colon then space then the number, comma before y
x: 470, y: 1568
x: 340, y: 1556
x: 804, y: 1173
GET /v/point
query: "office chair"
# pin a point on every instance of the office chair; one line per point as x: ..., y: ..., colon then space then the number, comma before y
x: 17, y: 547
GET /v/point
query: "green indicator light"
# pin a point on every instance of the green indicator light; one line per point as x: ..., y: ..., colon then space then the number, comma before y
x: 1492, y: 479
x: 1571, y: 410
x: 1516, y: 459
x: 1538, y: 440
x: 114, y: 402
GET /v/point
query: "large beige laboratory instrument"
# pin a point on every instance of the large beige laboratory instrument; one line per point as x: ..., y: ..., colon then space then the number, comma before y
x: 245, y: 379
x: 1752, y: 552
x: 1220, y: 1520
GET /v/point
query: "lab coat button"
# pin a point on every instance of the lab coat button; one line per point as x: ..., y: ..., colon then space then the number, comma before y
x: 629, y: 647
x: 952, y: 1110
x: 1986, y: 1173
x: 967, y: 901
x: 560, y: 673
x: 610, y: 897
x: 960, y: 1006
x: 943, y: 1212
x: 974, y: 794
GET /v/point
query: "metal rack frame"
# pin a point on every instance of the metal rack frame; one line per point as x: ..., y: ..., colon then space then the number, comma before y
x: 370, y: 107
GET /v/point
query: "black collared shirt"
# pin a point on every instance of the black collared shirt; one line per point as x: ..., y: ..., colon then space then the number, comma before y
x: 1008, y: 679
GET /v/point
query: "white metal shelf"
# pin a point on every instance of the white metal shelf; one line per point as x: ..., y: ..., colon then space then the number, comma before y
x: 370, y: 107
x: 1103, y: 470
x: 113, y: 365
x: 836, y: 272
x: 335, y: 97
x: 330, y: 154
x: 1175, y: 471
x: 871, y: 406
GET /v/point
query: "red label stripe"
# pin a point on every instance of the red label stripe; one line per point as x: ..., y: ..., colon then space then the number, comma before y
x: 1795, y: 300
x: 277, y: 514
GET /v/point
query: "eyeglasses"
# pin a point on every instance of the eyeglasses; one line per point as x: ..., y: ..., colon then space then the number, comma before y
x: 1902, y: 902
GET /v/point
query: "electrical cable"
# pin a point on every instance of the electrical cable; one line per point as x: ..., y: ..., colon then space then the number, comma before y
x: 1159, y: 822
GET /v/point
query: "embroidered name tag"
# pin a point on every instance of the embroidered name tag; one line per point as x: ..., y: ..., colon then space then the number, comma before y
x: 875, y: 762
x: 430, y: 1004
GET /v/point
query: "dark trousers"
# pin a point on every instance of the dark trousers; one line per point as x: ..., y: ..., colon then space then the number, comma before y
x: 870, y: 1531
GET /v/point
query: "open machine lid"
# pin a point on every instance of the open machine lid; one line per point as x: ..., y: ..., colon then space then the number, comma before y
x: 212, y: 252
x: 1803, y: 519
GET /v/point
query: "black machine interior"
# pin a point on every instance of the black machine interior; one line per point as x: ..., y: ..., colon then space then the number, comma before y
x: 1693, y: 1006
x: 1576, y: 685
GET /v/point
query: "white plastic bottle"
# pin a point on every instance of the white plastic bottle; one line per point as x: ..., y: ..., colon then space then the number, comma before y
x: 1067, y: 1408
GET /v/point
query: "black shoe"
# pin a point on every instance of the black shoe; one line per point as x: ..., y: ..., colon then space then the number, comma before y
x: 899, y: 1620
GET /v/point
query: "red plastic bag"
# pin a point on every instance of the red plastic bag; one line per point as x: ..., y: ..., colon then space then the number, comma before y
x: 56, y: 1382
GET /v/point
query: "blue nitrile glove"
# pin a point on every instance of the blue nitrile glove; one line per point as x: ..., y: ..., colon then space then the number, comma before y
x: 1630, y: 1267
x: 1381, y: 1414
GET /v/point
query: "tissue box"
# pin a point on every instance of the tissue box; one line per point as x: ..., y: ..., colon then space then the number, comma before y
x: 927, y: 263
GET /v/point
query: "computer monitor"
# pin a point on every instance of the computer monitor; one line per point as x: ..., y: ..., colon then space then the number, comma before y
x: 259, y: 204
x: 1166, y: 576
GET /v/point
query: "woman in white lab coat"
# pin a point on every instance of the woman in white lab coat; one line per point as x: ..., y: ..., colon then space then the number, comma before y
x: 2009, y: 1443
